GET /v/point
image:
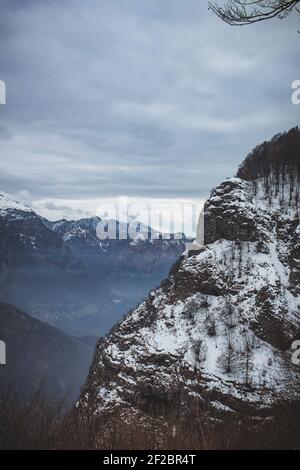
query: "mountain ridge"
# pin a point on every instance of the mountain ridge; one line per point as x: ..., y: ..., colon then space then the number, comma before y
x: 38, y: 354
x: 94, y: 281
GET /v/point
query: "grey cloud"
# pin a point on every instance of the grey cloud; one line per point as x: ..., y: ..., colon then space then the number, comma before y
x: 107, y: 98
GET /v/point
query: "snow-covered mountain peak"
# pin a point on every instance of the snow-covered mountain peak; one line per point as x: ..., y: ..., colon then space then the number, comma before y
x: 9, y: 202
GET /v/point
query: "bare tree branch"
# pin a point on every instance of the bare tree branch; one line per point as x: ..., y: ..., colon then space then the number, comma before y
x: 244, y: 12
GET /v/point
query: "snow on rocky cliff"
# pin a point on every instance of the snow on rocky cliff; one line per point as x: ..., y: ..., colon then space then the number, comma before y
x: 220, y: 328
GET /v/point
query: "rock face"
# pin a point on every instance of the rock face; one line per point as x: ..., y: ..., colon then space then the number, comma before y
x: 220, y: 328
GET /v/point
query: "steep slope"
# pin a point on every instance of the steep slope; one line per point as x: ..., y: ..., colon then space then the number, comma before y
x: 38, y: 353
x: 218, y: 331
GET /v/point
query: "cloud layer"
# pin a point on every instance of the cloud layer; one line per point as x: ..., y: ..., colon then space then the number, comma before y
x: 152, y: 99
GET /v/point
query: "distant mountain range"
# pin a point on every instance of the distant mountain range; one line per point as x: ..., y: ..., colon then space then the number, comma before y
x: 63, y: 274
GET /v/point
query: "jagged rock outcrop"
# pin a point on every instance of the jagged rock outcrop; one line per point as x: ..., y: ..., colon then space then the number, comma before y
x: 219, y: 329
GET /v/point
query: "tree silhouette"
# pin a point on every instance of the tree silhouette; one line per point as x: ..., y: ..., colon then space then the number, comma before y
x: 243, y: 12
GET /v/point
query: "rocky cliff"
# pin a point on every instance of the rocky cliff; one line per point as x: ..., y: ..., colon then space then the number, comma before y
x: 218, y: 331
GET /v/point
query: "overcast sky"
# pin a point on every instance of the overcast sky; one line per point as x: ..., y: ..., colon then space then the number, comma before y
x: 153, y: 99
